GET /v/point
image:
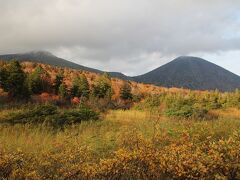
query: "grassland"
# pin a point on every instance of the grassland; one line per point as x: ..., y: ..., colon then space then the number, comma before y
x: 124, y: 145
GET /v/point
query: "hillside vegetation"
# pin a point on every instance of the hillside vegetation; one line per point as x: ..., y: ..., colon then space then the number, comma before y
x: 67, y: 124
x: 183, y: 72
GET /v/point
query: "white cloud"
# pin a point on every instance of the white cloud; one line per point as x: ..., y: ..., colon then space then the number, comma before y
x: 111, y: 35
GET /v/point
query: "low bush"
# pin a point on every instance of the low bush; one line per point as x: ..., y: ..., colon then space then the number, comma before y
x: 50, y: 115
x: 152, y: 102
x: 186, y: 107
x: 187, y: 111
x: 34, y: 115
x: 217, y: 159
x: 69, y: 117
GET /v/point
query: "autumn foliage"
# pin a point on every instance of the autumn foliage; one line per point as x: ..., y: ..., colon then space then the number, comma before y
x: 69, y: 126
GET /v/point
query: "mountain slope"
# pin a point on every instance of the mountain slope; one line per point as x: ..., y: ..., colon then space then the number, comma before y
x: 192, y: 73
x: 121, y: 76
x: 46, y: 58
x: 185, y: 71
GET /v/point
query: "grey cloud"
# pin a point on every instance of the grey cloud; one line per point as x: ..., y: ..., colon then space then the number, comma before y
x: 113, y: 34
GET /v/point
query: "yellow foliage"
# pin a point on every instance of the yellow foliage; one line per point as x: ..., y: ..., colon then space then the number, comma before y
x: 111, y: 149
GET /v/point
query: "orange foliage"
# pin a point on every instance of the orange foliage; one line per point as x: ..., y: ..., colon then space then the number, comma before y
x: 75, y: 100
x: 45, y: 97
x: 69, y: 74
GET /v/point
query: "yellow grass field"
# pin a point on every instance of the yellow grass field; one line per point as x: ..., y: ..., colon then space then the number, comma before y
x: 124, y: 145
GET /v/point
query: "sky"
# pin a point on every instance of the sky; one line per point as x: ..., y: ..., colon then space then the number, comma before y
x: 129, y: 36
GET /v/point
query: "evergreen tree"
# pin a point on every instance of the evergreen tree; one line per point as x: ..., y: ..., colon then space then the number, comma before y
x: 126, y: 91
x: 75, y: 88
x: 15, y: 82
x: 3, y: 76
x: 102, y: 87
x: 83, y: 87
x: 62, y: 91
x: 58, y: 81
x: 38, y: 80
x: 80, y: 87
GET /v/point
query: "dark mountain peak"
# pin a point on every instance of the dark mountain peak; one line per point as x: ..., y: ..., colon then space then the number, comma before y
x: 40, y: 53
x: 120, y: 75
x: 192, y: 73
x: 189, y: 59
x: 46, y: 57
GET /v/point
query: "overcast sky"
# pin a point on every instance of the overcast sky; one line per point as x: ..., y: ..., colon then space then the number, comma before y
x: 130, y: 36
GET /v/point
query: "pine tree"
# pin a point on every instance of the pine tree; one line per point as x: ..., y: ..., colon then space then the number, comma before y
x: 38, y: 80
x: 62, y: 91
x: 80, y: 87
x: 84, y: 90
x: 3, y: 76
x: 15, y: 83
x: 126, y: 91
x: 58, y: 81
x: 75, y: 87
x: 102, y: 87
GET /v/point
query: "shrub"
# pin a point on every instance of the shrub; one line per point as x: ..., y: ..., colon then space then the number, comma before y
x: 69, y: 117
x: 185, y: 107
x: 152, y: 102
x: 137, y: 97
x: 37, y: 114
x: 126, y: 91
x: 217, y: 159
x: 50, y: 115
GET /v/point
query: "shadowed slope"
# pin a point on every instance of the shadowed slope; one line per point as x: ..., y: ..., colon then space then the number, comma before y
x: 193, y: 73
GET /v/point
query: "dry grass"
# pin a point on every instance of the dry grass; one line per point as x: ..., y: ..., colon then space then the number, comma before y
x: 232, y: 113
x: 123, y: 138
x: 108, y: 132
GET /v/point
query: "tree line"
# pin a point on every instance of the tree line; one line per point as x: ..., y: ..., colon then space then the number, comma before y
x: 21, y: 85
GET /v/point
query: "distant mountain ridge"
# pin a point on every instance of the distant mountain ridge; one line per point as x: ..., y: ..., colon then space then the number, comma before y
x: 183, y: 72
x: 46, y: 57
x: 192, y: 73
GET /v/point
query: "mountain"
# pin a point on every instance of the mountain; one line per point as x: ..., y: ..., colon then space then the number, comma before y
x: 121, y: 76
x: 192, y: 73
x: 183, y: 72
x: 46, y: 58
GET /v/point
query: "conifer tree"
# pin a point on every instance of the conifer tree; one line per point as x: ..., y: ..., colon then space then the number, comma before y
x: 62, y: 91
x: 3, y: 76
x: 74, y: 92
x: 38, y: 80
x: 15, y: 83
x: 102, y: 87
x: 83, y: 87
x: 126, y: 91
x: 80, y: 87
x: 58, y: 81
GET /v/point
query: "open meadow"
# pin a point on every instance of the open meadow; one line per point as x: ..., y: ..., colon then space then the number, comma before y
x: 128, y: 144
